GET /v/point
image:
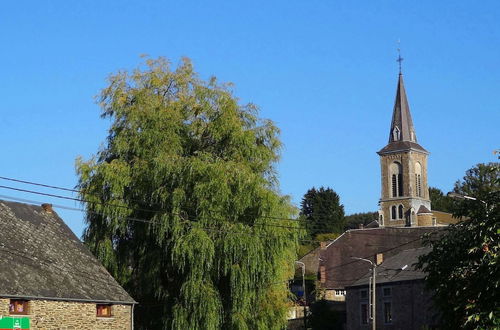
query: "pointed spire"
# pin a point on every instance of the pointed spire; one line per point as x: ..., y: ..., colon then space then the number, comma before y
x: 402, y: 135
x: 402, y: 125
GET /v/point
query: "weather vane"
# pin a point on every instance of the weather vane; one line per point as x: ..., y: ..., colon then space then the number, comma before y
x: 400, y: 59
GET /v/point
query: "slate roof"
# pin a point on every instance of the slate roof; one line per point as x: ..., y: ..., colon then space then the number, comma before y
x: 342, y: 270
x: 391, y: 270
x: 42, y: 258
x: 311, y: 261
x: 423, y: 210
x: 401, y: 118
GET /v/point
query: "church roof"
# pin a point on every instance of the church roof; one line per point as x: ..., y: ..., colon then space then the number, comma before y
x: 423, y: 210
x: 402, y: 135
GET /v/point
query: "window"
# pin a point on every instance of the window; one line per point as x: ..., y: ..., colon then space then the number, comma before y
x: 340, y: 292
x: 363, y: 294
x: 393, y: 213
x: 364, y: 313
x: 17, y: 306
x: 387, y: 312
x: 397, y: 179
x: 387, y: 292
x: 103, y: 310
x: 400, y: 212
x: 394, y: 185
x: 381, y: 219
x: 418, y: 179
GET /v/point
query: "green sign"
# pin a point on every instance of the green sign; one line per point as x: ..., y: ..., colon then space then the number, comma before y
x: 9, y: 323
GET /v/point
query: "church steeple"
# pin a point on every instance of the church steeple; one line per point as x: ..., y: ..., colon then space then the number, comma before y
x: 402, y: 134
x: 401, y: 123
x: 405, y: 195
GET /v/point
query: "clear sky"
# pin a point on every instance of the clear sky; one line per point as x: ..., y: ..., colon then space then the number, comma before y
x: 324, y: 71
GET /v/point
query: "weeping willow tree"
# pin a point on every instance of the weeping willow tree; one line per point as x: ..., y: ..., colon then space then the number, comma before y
x: 183, y: 205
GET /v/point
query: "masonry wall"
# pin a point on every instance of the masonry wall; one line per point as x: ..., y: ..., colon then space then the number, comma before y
x: 411, y: 307
x: 409, y: 199
x: 60, y: 315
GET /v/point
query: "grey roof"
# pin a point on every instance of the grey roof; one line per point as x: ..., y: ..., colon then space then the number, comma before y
x: 373, y: 224
x: 422, y: 210
x: 398, y: 268
x: 311, y: 261
x: 401, y: 120
x: 42, y: 258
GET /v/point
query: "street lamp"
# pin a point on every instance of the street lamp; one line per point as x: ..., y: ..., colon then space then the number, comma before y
x: 303, y: 266
x: 374, y: 290
x: 455, y: 195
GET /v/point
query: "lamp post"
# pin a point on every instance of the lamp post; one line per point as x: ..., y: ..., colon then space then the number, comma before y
x: 373, y: 297
x: 455, y: 195
x: 303, y: 266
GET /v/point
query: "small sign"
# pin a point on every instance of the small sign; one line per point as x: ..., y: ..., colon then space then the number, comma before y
x: 18, y: 323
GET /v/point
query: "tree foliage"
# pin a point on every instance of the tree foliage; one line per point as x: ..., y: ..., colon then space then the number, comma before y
x: 322, y: 211
x: 195, y: 169
x: 354, y: 220
x: 464, y: 264
x: 439, y: 201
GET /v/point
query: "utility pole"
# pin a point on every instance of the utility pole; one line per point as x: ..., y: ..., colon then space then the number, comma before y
x: 303, y: 266
x: 373, y: 297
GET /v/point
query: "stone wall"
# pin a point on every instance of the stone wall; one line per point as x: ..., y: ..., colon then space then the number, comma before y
x: 62, y: 315
x: 409, y: 200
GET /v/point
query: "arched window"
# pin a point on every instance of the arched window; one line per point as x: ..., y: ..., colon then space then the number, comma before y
x: 393, y: 212
x: 418, y: 179
x: 381, y: 219
x: 400, y: 212
x: 396, y: 179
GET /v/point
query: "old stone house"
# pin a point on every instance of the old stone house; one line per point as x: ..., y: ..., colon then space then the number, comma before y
x: 402, y: 302
x: 48, y: 277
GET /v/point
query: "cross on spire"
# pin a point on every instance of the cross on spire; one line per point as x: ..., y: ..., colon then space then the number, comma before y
x: 400, y: 59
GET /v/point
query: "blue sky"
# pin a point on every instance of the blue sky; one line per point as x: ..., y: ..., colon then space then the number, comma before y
x: 324, y: 71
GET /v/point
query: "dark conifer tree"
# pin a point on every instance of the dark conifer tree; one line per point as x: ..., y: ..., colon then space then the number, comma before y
x: 323, y: 212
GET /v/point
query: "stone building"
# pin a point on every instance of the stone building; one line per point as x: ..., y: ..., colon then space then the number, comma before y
x: 405, y: 194
x: 338, y: 267
x: 402, y: 301
x: 50, y: 279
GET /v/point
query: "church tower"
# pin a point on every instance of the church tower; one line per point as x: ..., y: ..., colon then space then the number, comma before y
x: 405, y: 194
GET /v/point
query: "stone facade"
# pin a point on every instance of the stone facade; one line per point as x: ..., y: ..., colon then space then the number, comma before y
x: 64, y: 315
x: 410, y: 199
x: 334, y: 295
x: 410, y: 306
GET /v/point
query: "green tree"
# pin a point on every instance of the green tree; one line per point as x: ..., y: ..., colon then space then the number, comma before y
x: 354, y: 220
x: 322, y: 211
x: 196, y: 170
x: 324, y: 316
x: 439, y: 201
x: 464, y: 264
x: 480, y: 182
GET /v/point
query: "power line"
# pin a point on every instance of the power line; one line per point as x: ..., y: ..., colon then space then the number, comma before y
x: 317, y: 226
x: 307, y: 222
x: 187, y: 222
x: 83, y: 192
